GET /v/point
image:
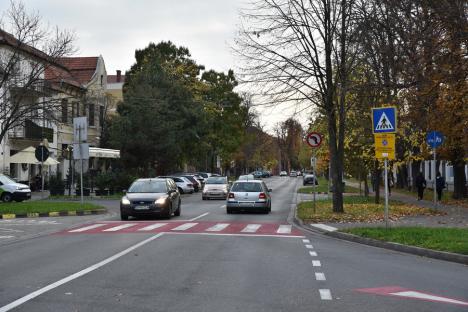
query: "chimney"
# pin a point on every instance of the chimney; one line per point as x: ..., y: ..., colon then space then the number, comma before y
x: 119, y: 75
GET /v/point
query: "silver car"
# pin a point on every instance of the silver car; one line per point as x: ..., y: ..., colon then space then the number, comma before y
x: 184, y: 185
x: 251, y: 195
x: 215, y: 187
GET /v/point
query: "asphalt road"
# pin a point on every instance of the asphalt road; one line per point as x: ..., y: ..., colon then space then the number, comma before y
x: 206, y: 260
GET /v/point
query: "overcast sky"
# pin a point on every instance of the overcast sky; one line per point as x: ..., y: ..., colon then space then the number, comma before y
x: 115, y: 28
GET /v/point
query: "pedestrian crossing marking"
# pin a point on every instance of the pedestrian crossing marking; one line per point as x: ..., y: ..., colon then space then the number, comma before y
x: 152, y: 227
x: 207, y: 227
x: 218, y: 227
x: 184, y: 227
x: 251, y: 228
x: 384, y: 123
x: 119, y: 227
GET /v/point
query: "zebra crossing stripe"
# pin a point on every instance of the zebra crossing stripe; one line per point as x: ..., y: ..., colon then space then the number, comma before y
x: 119, y: 227
x: 284, y: 229
x: 251, y: 228
x: 86, y: 228
x: 152, y: 227
x: 184, y: 227
x: 218, y: 227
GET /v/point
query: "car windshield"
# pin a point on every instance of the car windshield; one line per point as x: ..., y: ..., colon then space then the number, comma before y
x: 246, y: 187
x: 148, y: 187
x: 216, y: 180
x: 6, y: 180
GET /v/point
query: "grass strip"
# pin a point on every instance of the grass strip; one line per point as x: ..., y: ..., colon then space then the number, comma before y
x: 358, y: 209
x: 443, y: 239
x: 32, y: 207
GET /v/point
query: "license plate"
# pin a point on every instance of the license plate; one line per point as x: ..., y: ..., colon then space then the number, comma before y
x: 141, y: 207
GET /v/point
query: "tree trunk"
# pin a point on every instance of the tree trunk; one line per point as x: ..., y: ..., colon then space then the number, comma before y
x: 459, y: 180
x: 414, y: 173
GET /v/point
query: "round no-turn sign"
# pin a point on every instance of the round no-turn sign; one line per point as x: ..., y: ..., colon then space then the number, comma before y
x: 314, y: 139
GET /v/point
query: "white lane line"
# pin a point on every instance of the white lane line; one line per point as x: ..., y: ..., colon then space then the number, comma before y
x: 89, y: 227
x: 11, y: 230
x: 217, y: 227
x: 313, y: 253
x: 316, y: 263
x: 309, y: 246
x: 325, y: 294
x: 306, y: 241
x: 76, y: 275
x: 223, y: 206
x: 239, y: 234
x: 152, y: 226
x: 284, y: 229
x: 200, y: 216
x: 184, y: 227
x: 419, y: 295
x: 251, y: 228
x: 320, y: 276
x: 120, y: 227
x: 324, y: 227
x: 6, y: 236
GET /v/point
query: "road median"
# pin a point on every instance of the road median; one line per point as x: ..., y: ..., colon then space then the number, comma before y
x: 38, y: 209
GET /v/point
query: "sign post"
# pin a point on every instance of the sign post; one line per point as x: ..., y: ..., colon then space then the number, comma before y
x: 384, y: 126
x: 81, y: 148
x: 434, y: 139
x: 314, y: 139
x: 42, y: 153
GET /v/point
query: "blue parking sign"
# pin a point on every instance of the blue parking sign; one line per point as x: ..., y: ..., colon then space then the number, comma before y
x: 384, y: 120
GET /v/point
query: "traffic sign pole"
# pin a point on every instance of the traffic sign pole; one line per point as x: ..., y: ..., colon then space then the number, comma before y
x: 434, y: 177
x: 386, y: 193
x: 315, y: 177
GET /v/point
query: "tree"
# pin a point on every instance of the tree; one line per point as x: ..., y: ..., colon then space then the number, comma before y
x: 27, y: 50
x: 302, y: 52
x: 159, y: 119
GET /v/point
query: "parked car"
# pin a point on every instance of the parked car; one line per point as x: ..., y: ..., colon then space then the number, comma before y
x: 215, y: 187
x: 246, y: 177
x: 252, y: 195
x: 283, y: 174
x: 299, y: 173
x: 200, y: 179
x: 10, y: 190
x: 195, y: 182
x: 184, y: 185
x: 257, y: 174
x: 309, y: 179
x: 205, y: 175
x: 149, y: 197
x: 293, y: 174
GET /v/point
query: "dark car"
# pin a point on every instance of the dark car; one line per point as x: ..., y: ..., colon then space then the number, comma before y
x: 309, y: 179
x: 257, y: 174
x: 151, y: 197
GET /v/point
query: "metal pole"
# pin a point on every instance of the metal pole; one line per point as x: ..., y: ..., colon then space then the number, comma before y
x: 434, y: 177
x: 315, y: 177
x: 386, y: 193
x: 81, y: 169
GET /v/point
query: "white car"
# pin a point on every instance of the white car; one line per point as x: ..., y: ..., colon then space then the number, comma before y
x: 10, y: 190
x: 246, y: 177
x: 183, y: 184
x: 283, y: 174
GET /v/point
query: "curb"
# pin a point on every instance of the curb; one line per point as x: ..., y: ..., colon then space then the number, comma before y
x: 67, y: 213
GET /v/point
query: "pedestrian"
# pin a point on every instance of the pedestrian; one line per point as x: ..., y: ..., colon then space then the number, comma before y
x: 440, y: 185
x: 420, y: 185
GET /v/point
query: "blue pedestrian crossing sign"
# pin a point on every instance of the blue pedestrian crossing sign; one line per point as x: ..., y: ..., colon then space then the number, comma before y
x: 384, y: 120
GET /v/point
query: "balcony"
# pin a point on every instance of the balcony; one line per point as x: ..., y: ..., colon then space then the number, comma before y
x: 31, y: 131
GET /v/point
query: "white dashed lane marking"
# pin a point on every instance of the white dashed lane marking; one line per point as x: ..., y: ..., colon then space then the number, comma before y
x: 309, y: 246
x: 6, y: 237
x: 320, y: 276
x: 312, y: 253
x: 316, y: 263
x: 218, y: 227
x: 306, y: 241
x: 325, y: 294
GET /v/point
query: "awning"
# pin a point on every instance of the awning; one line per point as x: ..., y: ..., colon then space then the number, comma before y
x: 97, y: 152
x: 27, y: 156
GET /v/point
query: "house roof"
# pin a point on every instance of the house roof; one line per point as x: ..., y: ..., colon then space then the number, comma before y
x: 57, y: 74
x: 113, y: 79
x: 82, y: 68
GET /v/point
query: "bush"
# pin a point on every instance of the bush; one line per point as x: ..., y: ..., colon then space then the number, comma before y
x: 56, y: 186
x: 121, y: 181
x: 103, y: 181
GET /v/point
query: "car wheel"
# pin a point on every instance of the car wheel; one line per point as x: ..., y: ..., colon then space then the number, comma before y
x: 229, y: 210
x: 123, y: 217
x: 203, y: 198
x: 179, y: 210
x: 169, y: 212
x: 7, y: 197
x: 181, y: 191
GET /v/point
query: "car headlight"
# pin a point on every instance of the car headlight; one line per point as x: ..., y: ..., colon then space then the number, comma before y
x: 125, y: 201
x: 161, y: 200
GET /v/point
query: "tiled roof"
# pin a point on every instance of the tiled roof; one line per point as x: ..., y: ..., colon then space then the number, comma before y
x: 56, y: 74
x: 82, y: 68
x: 113, y: 79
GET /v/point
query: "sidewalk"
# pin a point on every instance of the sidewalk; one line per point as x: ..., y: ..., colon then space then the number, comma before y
x: 454, y: 216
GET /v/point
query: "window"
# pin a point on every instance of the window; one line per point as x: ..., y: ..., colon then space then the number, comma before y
x: 101, y: 115
x: 102, y: 79
x: 91, y: 114
x: 77, y: 110
x: 64, y: 110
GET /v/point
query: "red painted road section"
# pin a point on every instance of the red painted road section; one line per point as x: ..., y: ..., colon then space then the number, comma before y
x: 199, y: 227
x: 397, y: 291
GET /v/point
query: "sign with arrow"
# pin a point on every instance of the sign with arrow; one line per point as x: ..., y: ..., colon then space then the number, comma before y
x: 384, y: 120
x: 314, y: 139
x: 434, y: 139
